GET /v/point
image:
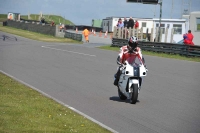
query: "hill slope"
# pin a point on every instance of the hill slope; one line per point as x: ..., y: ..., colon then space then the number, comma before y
x: 49, y: 18
x: 3, y: 17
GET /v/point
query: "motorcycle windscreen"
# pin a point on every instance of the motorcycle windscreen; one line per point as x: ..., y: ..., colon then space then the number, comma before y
x: 134, y: 60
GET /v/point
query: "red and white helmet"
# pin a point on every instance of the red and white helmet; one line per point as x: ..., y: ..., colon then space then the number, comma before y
x: 133, y: 42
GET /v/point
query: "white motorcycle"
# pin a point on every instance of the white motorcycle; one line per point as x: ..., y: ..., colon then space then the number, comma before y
x: 132, y: 73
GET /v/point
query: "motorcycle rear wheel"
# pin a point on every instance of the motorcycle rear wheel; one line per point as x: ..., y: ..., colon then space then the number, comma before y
x: 134, y: 94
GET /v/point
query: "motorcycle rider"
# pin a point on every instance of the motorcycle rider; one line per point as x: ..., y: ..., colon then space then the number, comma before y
x: 125, y: 52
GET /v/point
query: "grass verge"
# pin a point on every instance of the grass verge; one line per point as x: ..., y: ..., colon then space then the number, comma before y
x: 174, y: 56
x: 36, y: 36
x: 23, y: 109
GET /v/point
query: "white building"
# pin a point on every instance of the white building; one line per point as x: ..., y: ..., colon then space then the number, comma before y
x: 179, y: 26
x: 194, y: 26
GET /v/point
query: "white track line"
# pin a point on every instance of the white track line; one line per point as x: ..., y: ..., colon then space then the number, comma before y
x: 45, y: 94
x: 68, y: 51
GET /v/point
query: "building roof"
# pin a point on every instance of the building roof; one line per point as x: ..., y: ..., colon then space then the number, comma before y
x: 153, y: 19
x: 196, y: 12
x: 125, y: 17
x: 177, y: 20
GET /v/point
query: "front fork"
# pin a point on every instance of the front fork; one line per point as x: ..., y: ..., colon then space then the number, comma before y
x: 137, y: 81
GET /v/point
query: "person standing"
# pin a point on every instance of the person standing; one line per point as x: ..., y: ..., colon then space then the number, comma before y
x: 125, y: 23
x: 136, y: 24
x: 120, y: 23
x: 86, y: 34
x: 130, y: 23
x: 52, y: 23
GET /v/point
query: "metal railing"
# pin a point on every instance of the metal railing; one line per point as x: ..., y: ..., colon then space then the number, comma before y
x: 170, y: 48
x: 73, y: 36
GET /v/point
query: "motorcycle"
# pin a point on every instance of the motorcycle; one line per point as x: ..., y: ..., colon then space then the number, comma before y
x: 132, y: 73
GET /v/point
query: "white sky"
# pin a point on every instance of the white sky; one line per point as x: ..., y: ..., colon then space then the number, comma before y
x: 83, y: 11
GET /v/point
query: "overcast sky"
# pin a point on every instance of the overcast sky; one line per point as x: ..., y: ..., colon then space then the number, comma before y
x: 83, y: 11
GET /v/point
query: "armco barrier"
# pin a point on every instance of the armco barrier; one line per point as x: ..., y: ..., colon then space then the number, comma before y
x: 170, y: 48
x: 39, y: 28
x: 73, y: 36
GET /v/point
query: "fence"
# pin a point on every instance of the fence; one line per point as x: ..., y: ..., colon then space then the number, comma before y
x: 73, y: 36
x: 170, y: 48
x: 124, y: 33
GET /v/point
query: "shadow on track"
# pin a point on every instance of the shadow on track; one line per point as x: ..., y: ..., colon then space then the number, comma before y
x: 117, y: 99
x: 4, y: 37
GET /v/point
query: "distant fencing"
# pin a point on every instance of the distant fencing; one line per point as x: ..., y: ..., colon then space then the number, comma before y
x: 73, y: 36
x: 169, y: 48
x: 82, y: 27
x: 32, y: 26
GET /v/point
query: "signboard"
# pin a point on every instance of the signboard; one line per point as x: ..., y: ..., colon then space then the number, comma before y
x: 143, y: 1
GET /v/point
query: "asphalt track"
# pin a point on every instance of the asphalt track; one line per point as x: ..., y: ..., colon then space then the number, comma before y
x: 81, y: 76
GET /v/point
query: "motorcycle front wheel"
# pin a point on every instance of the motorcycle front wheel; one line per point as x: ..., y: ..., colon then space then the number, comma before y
x: 134, y: 94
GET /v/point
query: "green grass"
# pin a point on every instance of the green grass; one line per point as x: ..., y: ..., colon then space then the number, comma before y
x: 36, y: 36
x: 23, y: 109
x: 173, y: 56
x: 3, y: 17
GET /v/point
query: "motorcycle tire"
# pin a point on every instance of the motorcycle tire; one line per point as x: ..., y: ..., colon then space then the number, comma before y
x: 134, y: 94
x: 121, y: 95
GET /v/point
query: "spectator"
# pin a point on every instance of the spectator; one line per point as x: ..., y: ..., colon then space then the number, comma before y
x: 42, y: 20
x: 184, y: 37
x: 188, y: 38
x: 136, y: 24
x: 60, y: 27
x: 125, y: 23
x: 52, y: 23
x: 130, y: 23
x: 120, y: 23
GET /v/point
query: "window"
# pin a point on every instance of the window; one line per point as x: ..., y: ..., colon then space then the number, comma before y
x: 157, y: 25
x: 144, y: 24
x: 161, y: 25
x: 168, y: 25
x: 163, y: 30
x: 198, y: 24
x: 177, y: 28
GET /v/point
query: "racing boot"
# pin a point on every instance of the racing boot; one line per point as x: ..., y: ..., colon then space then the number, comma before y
x: 116, y: 80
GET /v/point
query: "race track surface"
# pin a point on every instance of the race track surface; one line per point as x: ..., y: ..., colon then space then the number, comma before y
x: 81, y: 76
